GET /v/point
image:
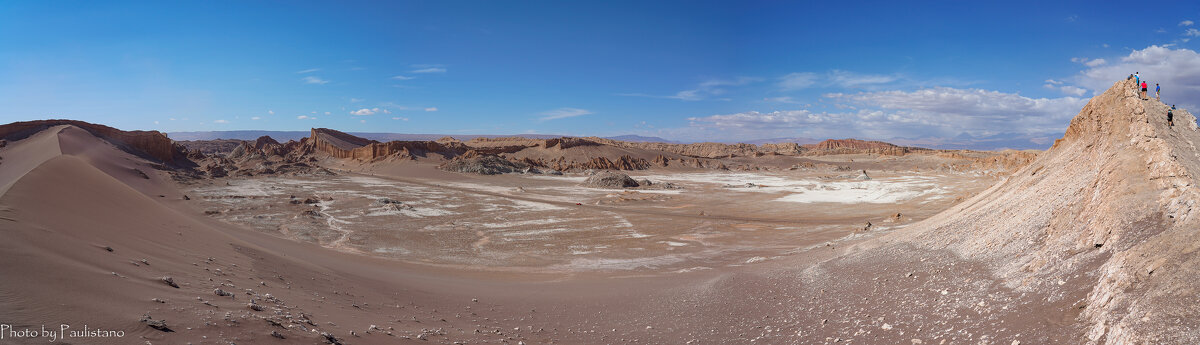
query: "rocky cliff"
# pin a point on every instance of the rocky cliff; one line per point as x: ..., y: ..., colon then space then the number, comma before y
x: 855, y: 146
x: 342, y: 145
x: 152, y: 144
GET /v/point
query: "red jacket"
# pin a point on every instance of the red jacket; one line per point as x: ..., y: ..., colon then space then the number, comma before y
x: 1143, y: 85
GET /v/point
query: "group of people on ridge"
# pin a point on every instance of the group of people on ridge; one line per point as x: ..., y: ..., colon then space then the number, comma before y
x: 1138, y: 82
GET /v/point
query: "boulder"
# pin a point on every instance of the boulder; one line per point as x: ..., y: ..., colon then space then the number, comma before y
x: 608, y: 179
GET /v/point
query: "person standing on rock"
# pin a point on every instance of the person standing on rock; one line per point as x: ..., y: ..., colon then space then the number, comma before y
x: 1143, y: 90
x: 1137, y: 79
x: 1170, y: 118
x: 1156, y: 91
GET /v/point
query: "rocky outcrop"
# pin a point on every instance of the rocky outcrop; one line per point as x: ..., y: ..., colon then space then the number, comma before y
x: 855, y: 146
x: 211, y: 147
x: 1003, y: 162
x: 342, y: 145
x: 483, y: 164
x: 608, y: 179
x: 624, y: 162
x: 151, y: 144
x: 698, y: 150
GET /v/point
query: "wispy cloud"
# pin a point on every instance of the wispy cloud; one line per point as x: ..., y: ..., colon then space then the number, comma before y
x: 371, y: 111
x: 400, y: 118
x: 401, y: 77
x: 310, y: 70
x: 305, y: 117
x: 363, y: 112
x: 784, y: 99
x: 356, y: 100
x: 798, y: 80
x: 837, y: 78
x: 705, y: 90
x: 1186, y: 23
x: 431, y: 109
x: 220, y: 121
x: 256, y: 118
x: 428, y: 68
x: 314, y: 80
x: 562, y: 113
x: 1192, y: 32
x: 857, y: 80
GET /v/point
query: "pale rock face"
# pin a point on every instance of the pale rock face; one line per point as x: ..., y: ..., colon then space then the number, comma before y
x: 1113, y: 202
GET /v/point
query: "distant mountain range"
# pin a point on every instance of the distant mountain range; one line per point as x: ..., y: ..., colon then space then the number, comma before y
x: 1016, y: 141
x: 296, y: 135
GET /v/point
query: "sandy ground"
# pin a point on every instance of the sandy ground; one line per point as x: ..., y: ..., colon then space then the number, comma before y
x: 549, y: 224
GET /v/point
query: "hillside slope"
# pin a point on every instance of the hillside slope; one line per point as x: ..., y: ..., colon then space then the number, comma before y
x: 1107, y: 211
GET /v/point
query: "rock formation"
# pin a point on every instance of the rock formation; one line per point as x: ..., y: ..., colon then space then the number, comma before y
x: 152, y: 144
x: 608, y: 179
x: 1109, y: 208
x: 342, y: 145
x: 854, y: 146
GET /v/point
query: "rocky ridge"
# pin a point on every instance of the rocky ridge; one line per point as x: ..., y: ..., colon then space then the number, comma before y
x: 150, y: 143
x: 1106, y: 215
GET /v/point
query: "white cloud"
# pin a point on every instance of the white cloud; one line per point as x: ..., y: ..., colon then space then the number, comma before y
x: 838, y: 78
x: 310, y: 70
x: 305, y: 117
x: 799, y: 80
x: 951, y: 111
x: 784, y: 99
x: 271, y: 112
x: 1073, y: 90
x: 400, y: 118
x: 371, y: 111
x: 314, y: 80
x: 256, y: 118
x: 1186, y: 23
x: 400, y: 77
x: 1089, y: 62
x: 704, y: 90
x: 562, y: 113
x: 428, y: 68
x: 220, y: 121
x: 431, y: 109
x: 362, y: 121
x: 1176, y: 70
x: 1066, y: 89
x: 156, y: 122
x: 1192, y: 32
x: 757, y: 120
x: 855, y: 80
x: 327, y: 113
x: 356, y: 100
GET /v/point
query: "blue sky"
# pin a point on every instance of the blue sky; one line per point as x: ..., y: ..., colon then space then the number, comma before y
x: 689, y: 71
